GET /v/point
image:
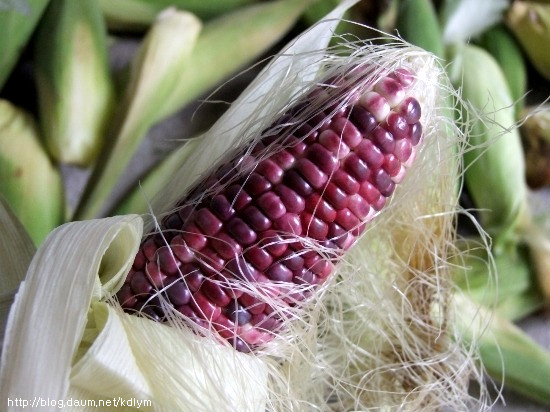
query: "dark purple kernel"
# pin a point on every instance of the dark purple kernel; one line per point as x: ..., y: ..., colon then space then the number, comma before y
x: 370, y: 153
x: 284, y: 159
x: 203, y: 307
x: 347, y: 219
x: 150, y: 313
x: 126, y: 296
x: 241, y: 269
x: 320, y: 208
x: 304, y: 276
x: 363, y: 119
x: 215, y: 293
x: 311, y: 173
x: 369, y: 192
x: 392, y: 165
x: 416, y: 133
x: 139, y: 260
x: 350, y: 135
x: 265, y: 322
x: 240, y: 346
x: 259, y: 257
x: 397, y: 126
x: 410, y: 110
x: 140, y: 284
x: 296, y: 182
x: 167, y: 261
x: 210, y: 260
x: 359, y: 206
x: 192, y: 277
x: 336, y: 197
x: 403, y: 149
x: 289, y: 223
x: 383, y: 139
x: 185, y: 213
x: 193, y: 237
x: 207, y: 222
x: 314, y: 227
x: 156, y: 277
x: 293, y: 202
x: 226, y: 246
x: 270, y: 170
x: 173, y: 222
x: 237, y: 313
x: 256, y: 219
x: 177, y: 292
x: 296, y: 146
x: 272, y: 205
x: 345, y: 182
x: 181, y: 250
x: 322, y: 158
x: 256, y: 184
x: 149, y: 248
x: 274, y: 243
x: 292, y: 260
x: 241, y: 231
x: 279, y: 273
x: 357, y: 168
x: 238, y: 197
x: 221, y: 206
x: 303, y: 130
x: 384, y: 183
x: 252, y: 303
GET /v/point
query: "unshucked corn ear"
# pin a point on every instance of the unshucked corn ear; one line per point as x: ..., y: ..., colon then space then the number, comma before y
x: 503, y: 47
x: 418, y: 24
x: 18, y: 21
x: 495, y: 165
x: 140, y: 14
x: 75, y: 92
x: 30, y: 183
x: 530, y: 23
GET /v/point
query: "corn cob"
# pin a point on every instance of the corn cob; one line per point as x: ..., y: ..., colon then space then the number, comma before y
x: 263, y: 231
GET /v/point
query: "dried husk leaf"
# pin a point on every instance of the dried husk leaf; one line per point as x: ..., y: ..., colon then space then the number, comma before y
x: 79, y: 262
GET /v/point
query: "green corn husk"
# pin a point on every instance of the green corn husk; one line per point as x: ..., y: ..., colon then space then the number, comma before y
x: 418, y: 24
x: 30, y: 183
x: 137, y: 15
x: 503, y: 47
x: 73, y: 80
x: 18, y: 21
x: 530, y: 23
x: 495, y: 164
x: 138, y: 200
x: 233, y: 40
x: 506, y: 352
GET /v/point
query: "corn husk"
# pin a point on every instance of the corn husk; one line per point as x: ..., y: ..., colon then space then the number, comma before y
x: 506, y: 351
x: 530, y: 23
x: 495, y: 167
x: 137, y: 15
x: 16, y: 252
x: 18, y: 21
x: 28, y: 180
x: 418, y: 24
x: 376, y: 336
x: 154, y: 72
x: 74, y: 85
